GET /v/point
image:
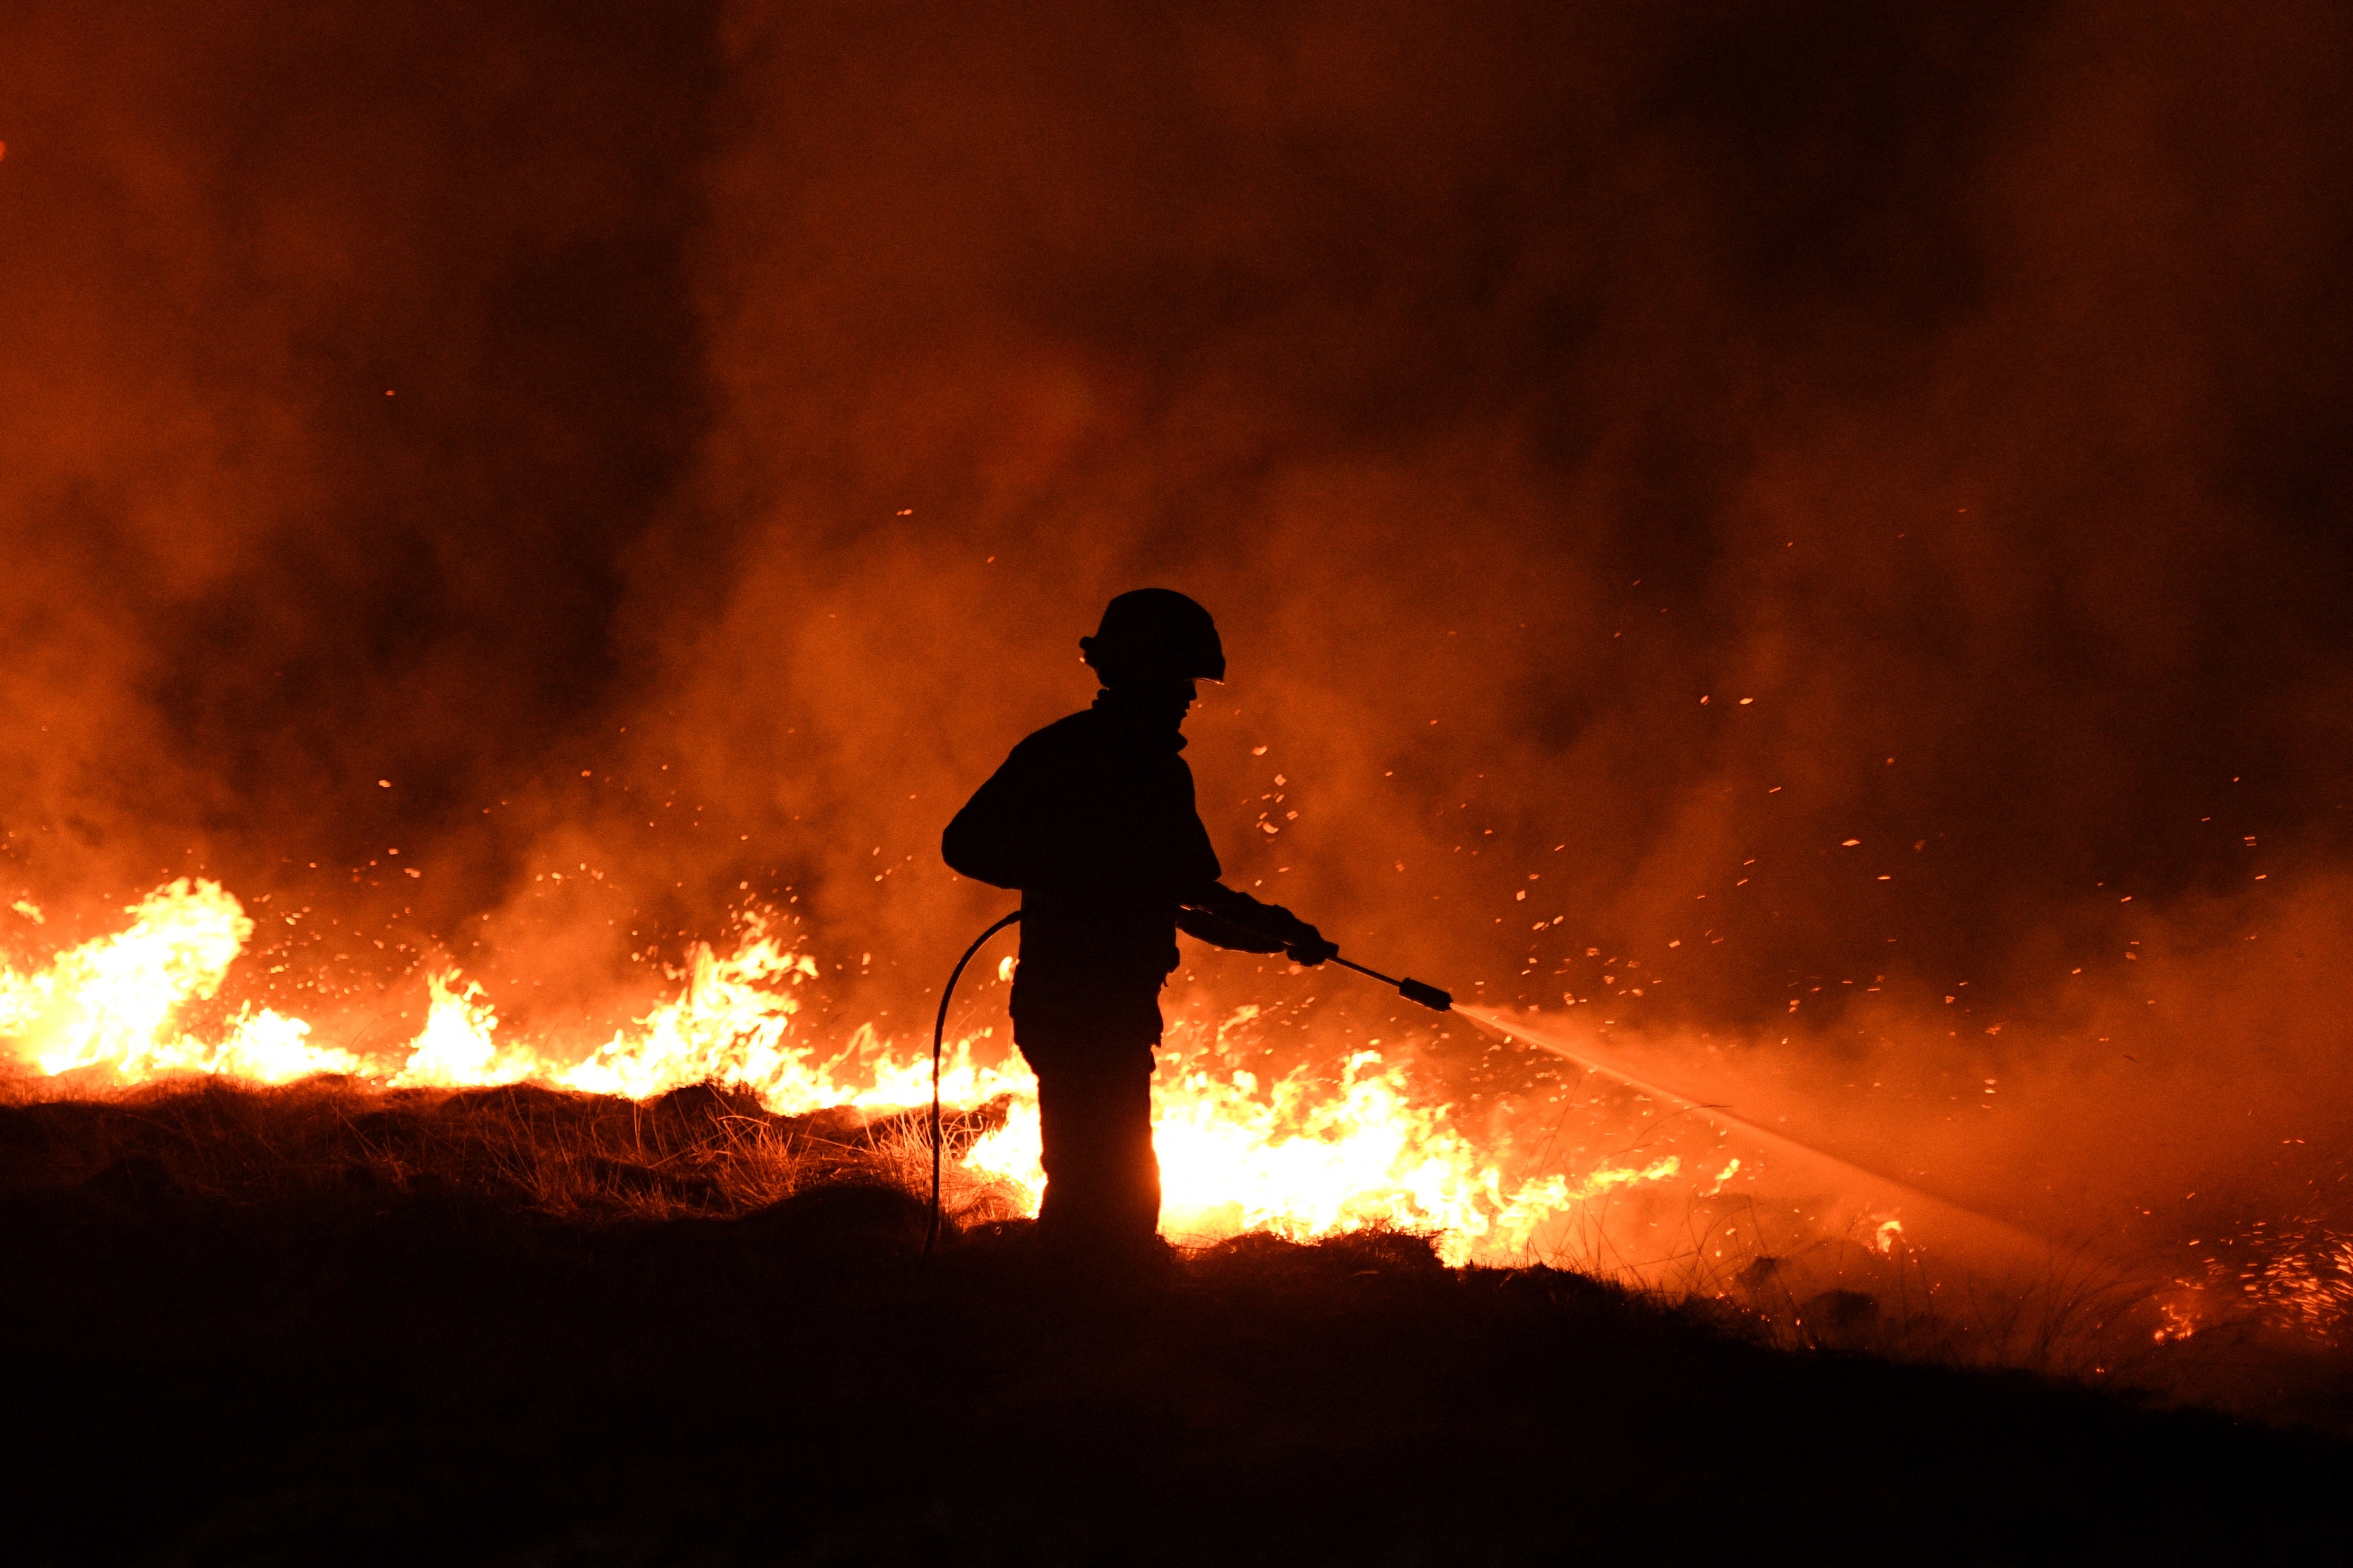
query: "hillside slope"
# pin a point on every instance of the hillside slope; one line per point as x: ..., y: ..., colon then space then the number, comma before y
x: 375, y: 1369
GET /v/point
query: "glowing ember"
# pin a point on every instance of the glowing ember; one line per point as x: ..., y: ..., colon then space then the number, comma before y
x: 1304, y: 1156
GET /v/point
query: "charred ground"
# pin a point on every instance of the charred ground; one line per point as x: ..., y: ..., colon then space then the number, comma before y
x: 316, y: 1324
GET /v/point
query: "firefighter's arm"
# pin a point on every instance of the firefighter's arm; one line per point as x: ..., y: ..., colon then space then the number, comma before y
x: 1227, y: 917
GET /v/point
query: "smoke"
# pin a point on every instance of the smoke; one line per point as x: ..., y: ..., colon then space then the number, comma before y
x: 1733, y: 501
x: 1937, y: 403
x: 350, y: 354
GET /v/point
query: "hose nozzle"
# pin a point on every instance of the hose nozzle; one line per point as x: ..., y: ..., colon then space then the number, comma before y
x: 1429, y: 995
x: 1419, y: 990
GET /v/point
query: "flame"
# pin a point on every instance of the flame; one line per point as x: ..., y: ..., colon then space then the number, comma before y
x: 1307, y: 1155
x: 1306, y: 1158
x: 111, y: 1002
x: 455, y: 1048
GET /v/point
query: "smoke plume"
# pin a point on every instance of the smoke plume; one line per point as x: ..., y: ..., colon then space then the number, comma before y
x: 1806, y: 514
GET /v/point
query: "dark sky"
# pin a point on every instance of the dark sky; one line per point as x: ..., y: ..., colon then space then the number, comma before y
x: 684, y: 443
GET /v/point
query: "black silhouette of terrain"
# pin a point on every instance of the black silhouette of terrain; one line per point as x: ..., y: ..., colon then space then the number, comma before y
x: 324, y: 1325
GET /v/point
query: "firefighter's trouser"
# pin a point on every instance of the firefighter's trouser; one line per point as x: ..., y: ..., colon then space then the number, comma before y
x: 1094, y: 1111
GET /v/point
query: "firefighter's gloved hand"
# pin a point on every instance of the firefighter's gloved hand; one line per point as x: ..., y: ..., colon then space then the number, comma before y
x: 1307, y: 946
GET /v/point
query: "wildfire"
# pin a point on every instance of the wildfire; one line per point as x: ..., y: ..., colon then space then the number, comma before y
x: 110, y: 1002
x: 1304, y: 1156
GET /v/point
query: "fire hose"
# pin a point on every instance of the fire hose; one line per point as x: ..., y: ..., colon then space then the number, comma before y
x: 939, y: 1035
x: 1412, y: 990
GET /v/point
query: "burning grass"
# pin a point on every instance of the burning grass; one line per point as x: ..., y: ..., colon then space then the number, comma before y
x: 710, y: 1152
x: 486, y: 1299
x: 1317, y: 1148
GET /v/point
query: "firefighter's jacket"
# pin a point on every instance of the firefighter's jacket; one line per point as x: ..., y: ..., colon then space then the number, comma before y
x: 1093, y: 819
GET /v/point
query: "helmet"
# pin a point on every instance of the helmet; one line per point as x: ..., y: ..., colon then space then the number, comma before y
x: 1154, y: 635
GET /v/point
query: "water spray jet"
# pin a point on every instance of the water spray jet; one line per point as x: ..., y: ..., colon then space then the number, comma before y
x: 1998, y: 1236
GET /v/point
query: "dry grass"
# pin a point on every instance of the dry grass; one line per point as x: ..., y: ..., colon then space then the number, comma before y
x: 702, y: 1151
x: 710, y: 1152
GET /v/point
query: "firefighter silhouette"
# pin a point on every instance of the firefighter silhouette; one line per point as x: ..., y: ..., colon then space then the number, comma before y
x: 1093, y: 820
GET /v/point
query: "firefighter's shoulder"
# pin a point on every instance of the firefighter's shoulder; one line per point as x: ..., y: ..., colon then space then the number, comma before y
x: 1079, y: 732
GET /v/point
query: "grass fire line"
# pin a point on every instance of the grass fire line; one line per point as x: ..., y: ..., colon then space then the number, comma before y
x: 1342, y: 1141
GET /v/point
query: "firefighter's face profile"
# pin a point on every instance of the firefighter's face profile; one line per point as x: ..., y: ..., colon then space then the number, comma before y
x: 1170, y: 699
